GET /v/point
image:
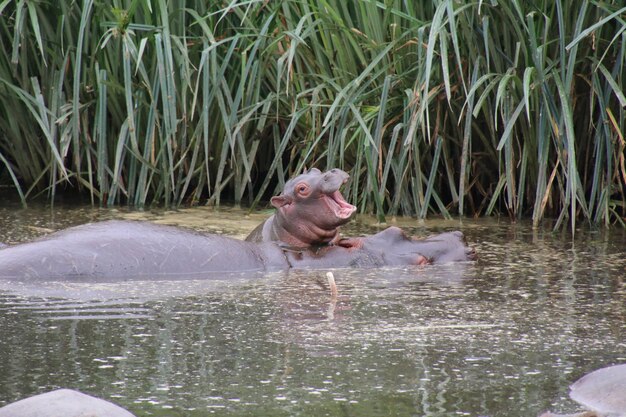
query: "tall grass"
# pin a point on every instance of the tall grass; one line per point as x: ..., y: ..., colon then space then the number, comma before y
x: 440, y: 107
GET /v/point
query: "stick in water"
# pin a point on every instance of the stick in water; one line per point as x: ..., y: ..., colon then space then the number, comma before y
x: 332, y: 284
x: 330, y: 313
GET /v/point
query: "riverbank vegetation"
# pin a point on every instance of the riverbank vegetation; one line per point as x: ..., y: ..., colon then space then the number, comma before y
x: 434, y: 108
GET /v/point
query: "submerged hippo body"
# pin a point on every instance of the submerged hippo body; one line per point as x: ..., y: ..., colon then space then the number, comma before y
x: 119, y: 249
x: 309, y: 211
x: 141, y: 250
x: 65, y: 403
x: 602, y: 392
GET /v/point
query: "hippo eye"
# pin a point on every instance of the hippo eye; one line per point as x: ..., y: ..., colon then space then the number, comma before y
x: 302, y: 189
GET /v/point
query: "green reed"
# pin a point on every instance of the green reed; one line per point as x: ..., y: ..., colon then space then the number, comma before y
x: 440, y: 107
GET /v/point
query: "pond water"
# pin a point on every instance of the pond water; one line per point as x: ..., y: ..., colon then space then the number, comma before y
x: 503, y: 336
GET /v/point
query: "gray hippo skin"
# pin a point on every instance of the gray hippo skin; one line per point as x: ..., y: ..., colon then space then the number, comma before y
x: 63, y: 403
x: 120, y: 250
x: 309, y: 211
x: 602, y: 392
x: 398, y: 249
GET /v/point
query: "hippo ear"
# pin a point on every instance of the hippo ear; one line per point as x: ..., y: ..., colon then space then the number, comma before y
x: 280, y: 201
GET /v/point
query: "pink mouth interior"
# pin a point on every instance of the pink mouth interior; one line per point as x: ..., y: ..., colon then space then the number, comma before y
x: 343, y: 209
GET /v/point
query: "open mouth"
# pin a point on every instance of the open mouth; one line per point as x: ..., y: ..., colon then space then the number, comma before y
x: 340, y: 206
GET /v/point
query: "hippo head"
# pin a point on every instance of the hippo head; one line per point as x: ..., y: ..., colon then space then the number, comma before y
x: 395, y: 247
x: 311, y: 207
x: 399, y: 249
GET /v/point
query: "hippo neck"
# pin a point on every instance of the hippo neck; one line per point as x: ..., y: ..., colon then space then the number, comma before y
x: 301, y: 235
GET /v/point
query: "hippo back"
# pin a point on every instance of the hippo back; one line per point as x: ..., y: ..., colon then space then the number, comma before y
x: 63, y: 402
x: 256, y: 235
x: 121, y: 249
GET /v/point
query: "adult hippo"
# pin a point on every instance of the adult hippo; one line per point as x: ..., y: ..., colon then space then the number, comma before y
x: 309, y: 211
x: 116, y: 249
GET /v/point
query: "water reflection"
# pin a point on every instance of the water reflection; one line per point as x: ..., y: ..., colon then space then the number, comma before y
x: 503, y: 336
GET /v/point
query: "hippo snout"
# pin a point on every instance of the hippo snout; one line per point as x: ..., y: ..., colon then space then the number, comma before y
x: 335, y: 174
x: 334, y: 179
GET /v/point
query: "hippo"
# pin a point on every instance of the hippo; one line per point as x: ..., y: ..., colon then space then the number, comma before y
x: 122, y: 250
x: 309, y: 211
x: 63, y: 402
x: 602, y: 392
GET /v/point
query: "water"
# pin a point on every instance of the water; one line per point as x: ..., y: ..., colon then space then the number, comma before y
x: 504, y: 336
